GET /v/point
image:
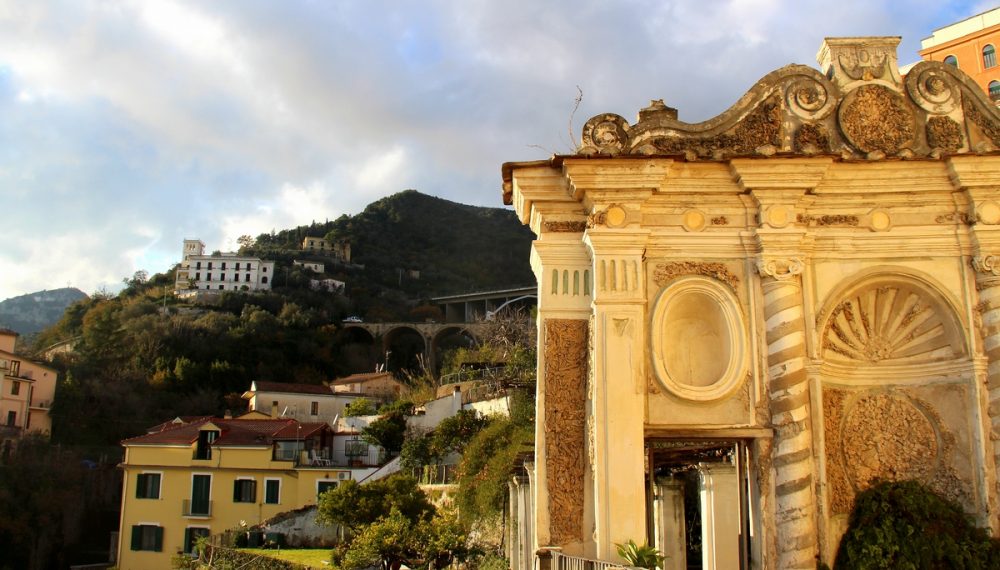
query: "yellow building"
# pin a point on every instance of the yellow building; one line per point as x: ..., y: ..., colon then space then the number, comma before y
x: 26, y: 393
x: 194, y: 477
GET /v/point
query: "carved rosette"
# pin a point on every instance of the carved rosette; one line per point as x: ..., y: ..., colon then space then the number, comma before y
x: 944, y: 133
x: 876, y: 119
x: 565, y: 425
x: 780, y: 269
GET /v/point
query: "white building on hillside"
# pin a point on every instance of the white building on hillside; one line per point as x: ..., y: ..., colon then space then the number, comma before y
x: 221, y: 271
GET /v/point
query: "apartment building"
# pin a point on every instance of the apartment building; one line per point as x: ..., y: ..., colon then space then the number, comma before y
x: 221, y: 271
x: 970, y: 45
x: 26, y: 393
x: 194, y: 477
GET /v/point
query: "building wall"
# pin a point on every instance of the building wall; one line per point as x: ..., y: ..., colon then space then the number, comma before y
x: 965, y: 41
x: 36, y: 386
x: 824, y: 304
x: 176, y: 466
x: 299, y: 406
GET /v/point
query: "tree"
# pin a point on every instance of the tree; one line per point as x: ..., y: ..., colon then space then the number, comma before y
x: 356, y: 506
x: 359, y: 407
x: 245, y: 242
x: 389, y: 430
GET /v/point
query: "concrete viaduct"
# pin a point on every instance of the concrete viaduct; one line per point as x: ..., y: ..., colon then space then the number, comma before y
x: 464, y: 315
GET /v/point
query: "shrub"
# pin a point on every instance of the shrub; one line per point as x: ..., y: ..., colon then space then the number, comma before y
x: 906, y: 525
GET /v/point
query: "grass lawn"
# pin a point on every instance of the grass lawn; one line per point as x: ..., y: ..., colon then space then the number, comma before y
x: 312, y: 557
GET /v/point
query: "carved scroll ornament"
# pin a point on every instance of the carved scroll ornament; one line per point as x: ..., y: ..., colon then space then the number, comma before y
x: 781, y: 269
x: 667, y: 272
x: 987, y: 264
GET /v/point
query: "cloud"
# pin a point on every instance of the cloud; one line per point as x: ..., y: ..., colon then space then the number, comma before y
x: 132, y: 124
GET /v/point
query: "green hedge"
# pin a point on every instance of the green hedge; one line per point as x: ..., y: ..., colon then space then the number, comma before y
x: 904, y: 525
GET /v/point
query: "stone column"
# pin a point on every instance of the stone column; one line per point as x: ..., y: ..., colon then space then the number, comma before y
x: 988, y: 283
x: 617, y: 391
x: 788, y: 389
x: 720, y: 516
x: 671, y: 531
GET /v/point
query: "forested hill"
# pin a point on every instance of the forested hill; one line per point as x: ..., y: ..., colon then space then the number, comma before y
x: 455, y: 248
x: 33, y: 312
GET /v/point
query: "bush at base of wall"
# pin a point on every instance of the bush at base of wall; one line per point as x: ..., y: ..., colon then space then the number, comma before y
x: 906, y: 525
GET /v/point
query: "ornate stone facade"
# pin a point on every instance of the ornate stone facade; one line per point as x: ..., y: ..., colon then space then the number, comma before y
x: 807, y: 285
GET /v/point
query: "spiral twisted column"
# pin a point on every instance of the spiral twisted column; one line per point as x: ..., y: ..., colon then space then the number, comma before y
x: 788, y: 390
x: 988, y: 283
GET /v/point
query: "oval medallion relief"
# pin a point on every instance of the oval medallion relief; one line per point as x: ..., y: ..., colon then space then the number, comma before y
x: 699, y: 347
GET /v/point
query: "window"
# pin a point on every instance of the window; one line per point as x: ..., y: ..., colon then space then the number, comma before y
x: 197, y: 265
x: 263, y: 279
x: 11, y: 418
x: 237, y: 266
x: 272, y: 491
x: 324, y: 486
x: 221, y: 287
x: 209, y: 264
x: 147, y: 486
x: 245, y: 491
x: 247, y: 277
x: 191, y: 536
x: 208, y: 277
x: 995, y: 90
x: 236, y: 277
x: 249, y: 267
x: 15, y: 388
x: 205, y: 439
x: 223, y: 264
x: 147, y: 537
x: 989, y: 56
x: 314, y: 408
x: 200, y: 504
x: 264, y: 269
x: 197, y: 276
x: 952, y: 61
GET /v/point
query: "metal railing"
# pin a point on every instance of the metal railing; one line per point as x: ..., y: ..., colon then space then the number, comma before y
x: 436, y: 474
x: 191, y: 508
x: 555, y: 560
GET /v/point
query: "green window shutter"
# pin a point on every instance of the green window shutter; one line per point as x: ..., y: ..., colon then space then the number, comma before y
x: 187, y: 540
x: 253, y: 491
x: 159, y: 538
x: 136, y: 537
x: 140, y: 486
x: 155, y: 486
x: 236, y: 491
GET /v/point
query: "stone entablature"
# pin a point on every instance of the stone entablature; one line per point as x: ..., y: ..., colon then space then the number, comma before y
x: 814, y: 304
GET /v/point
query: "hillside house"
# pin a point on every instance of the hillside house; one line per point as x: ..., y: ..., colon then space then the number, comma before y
x: 377, y: 385
x: 219, y: 272
x: 27, y: 390
x: 192, y: 477
x: 302, y: 402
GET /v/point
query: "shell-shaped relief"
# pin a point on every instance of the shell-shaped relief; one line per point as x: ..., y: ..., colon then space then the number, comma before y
x: 698, y: 339
x: 893, y: 324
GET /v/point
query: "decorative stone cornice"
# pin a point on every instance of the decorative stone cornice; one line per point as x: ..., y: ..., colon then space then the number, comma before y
x: 863, y: 110
x: 780, y: 268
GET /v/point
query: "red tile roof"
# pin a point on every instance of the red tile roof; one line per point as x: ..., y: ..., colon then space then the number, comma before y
x: 291, y: 388
x: 362, y: 378
x: 234, y: 432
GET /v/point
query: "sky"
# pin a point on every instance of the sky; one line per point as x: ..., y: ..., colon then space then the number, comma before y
x: 128, y: 126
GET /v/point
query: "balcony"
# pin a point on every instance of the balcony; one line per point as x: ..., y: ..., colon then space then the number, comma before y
x: 191, y: 508
x: 43, y: 405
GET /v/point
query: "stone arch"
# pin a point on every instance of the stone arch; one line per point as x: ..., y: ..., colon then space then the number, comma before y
x: 891, y: 315
x: 445, y: 338
x: 358, y: 350
x: 896, y: 385
x: 404, y: 346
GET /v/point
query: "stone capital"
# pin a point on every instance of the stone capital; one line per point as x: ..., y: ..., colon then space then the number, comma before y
x: 987, y: 265
x: 780, y: 268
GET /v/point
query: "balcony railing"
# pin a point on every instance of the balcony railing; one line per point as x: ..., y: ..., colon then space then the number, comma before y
x: 43, y: 405
x: 555, y: 560
x: 196, y: 508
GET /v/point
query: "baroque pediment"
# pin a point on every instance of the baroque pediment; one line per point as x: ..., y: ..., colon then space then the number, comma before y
x: 859, y: 109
